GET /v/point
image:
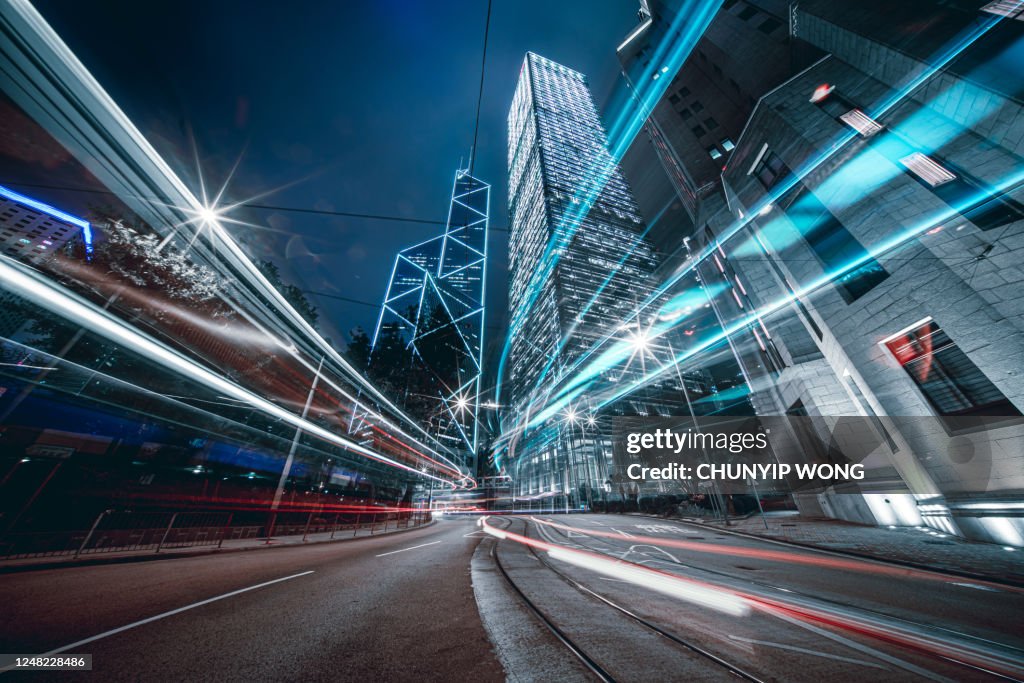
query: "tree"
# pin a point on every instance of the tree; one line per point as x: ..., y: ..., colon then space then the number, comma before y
x: 290, y: 292
x: 359, y: 348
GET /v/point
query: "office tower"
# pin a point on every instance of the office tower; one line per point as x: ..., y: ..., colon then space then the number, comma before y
x: 578, y: 260
x: 31, y: 231
x: 432, y: 318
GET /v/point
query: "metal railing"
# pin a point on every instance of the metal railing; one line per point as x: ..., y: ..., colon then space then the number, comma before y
x: 122, y: 531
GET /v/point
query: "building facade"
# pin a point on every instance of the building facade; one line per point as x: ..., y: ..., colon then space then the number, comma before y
x: 579, y: 265
x: 31, y: 231
x: 870, y: 205
x: 434, y: 305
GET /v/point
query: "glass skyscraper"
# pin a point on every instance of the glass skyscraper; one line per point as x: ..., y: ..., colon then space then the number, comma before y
x: 578, y: 261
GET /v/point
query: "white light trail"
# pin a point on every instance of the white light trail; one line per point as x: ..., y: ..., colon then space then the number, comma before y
x: 34, y: 287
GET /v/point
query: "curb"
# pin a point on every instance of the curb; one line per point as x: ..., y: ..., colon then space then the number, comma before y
x: 952, y: 573
x: 151, y: 557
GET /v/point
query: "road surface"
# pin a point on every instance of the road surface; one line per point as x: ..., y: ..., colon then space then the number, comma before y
x: 583, y: 597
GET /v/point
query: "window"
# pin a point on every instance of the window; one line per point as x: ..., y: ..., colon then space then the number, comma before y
x: 698, y: 131
x: 1005, y: 8
x: 714, y: 153
x: 673, y: 98
x: 836, y: 248
x: 747, y: 13
x: 949, y: 380
x: 684, y: 92
x: 769, y: 25
x: 860, y: 122
x: 710, y: 123
x: 727, y: 145
x: 686, y: 114
x: 973, y: 198
x: 769, y: 169
x: 697, y: 107
x: 925, y: 168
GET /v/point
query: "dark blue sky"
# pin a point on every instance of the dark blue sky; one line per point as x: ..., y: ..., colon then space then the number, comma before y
x: 362, y: 107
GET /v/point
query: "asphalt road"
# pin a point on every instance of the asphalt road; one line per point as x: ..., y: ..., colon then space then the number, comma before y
x: 407, y: 607
x: 398, y: 607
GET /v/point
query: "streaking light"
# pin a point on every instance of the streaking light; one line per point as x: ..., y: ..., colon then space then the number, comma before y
x: 661, y: 582
x: 34, y: 287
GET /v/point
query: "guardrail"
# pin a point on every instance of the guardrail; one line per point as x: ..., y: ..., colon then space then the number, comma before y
x: 119, y: 531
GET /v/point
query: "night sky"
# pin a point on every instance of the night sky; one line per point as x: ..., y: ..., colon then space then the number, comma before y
x: 356, y: 107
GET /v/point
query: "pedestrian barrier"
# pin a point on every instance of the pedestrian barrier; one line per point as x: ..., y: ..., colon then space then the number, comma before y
x: 120, y: 531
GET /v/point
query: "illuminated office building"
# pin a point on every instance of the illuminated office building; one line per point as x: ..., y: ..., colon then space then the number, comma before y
x: 435, y: 305
x: 31, y: 231
x: 578, y: 261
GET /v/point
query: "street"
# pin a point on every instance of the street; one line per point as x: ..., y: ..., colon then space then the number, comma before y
x: 361, y: 614
x: 401, y: 607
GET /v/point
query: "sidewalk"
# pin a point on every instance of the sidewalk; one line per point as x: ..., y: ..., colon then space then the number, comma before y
x: 229, y: 546
x: 919, y: 547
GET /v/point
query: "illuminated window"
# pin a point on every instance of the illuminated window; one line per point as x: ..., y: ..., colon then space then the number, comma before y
x: 860, y: 122
x: 1014, y: 9
x: 715, y: 154
x: 949, y: 380
x: 925, y: 168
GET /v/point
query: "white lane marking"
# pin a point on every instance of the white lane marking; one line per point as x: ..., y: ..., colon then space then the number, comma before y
x: 424, y: 545
x: 807, y: 651
x: 164, y: 615
x: 605, y: 578
x: 620, y: 531
x: 633, y: 548
x: 473, y: 534
x: 976, y: 587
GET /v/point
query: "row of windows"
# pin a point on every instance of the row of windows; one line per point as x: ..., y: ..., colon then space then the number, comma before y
x: 970, y: 196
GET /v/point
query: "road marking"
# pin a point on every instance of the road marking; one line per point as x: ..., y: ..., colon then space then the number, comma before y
x: 164, y: 615
x: 976, y: 586
x: 806, y: 651
x: 471, y: 534
x: 633, y: 549
x: 412, y: 548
